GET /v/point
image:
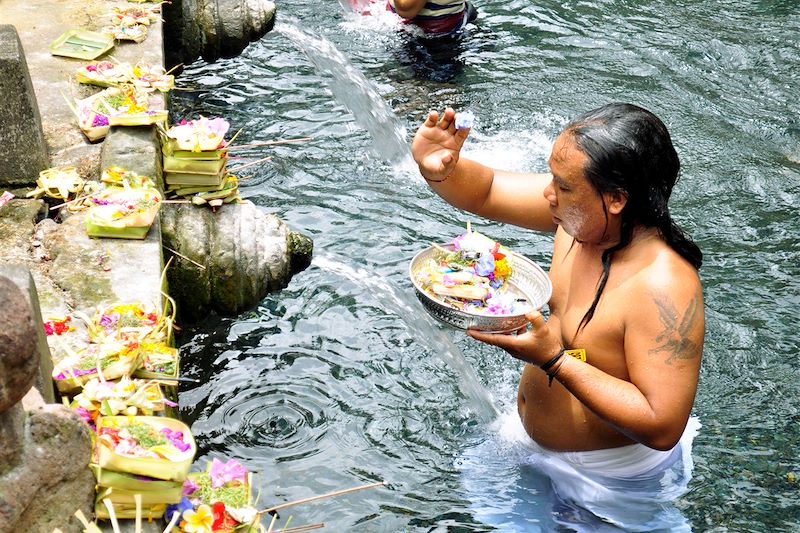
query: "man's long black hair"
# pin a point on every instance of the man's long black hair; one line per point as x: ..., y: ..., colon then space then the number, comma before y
x: 629, y: 151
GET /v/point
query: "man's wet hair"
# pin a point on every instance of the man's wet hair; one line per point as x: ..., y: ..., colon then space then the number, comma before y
x: 629, y: 151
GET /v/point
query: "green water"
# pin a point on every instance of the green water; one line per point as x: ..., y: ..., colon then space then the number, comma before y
x: 333, y: 382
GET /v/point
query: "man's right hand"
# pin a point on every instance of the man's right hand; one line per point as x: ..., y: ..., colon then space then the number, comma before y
x: 437, y: 145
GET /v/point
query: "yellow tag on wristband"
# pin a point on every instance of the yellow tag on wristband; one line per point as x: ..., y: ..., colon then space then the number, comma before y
x: 578, y: 353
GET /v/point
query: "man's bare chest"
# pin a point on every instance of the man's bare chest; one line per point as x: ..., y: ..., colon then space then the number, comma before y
x: 575, y: 289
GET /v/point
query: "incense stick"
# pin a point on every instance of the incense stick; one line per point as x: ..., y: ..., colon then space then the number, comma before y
x: 138, y: 499
x: 301, y: 529
x: 84, y: 197
x: 184, y: 257
x: 240, y: 167
x: 176, y: 66
x: 272, y: 143
x: 111, y: 514
x: 175, y: 516
x: 233, y: 138
x: 329, y: 495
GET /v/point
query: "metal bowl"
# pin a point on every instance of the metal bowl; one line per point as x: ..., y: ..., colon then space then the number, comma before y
x: 527, y: 278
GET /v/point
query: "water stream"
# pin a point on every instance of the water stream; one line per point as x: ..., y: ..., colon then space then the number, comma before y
x: 340, y: 379
x: 422, y: 326
x: 353, y: 90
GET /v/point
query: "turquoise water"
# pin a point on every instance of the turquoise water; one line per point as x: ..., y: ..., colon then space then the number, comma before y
x: 336, y: 381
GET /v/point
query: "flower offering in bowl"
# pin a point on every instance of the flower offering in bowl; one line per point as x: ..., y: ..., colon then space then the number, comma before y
x: 154, y: 446
x: 199, y: 135
x: 123, y: 212
x: 476, y: 283
x: 222, y: 493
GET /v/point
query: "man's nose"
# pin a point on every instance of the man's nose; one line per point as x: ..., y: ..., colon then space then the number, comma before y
x: 549, y: 193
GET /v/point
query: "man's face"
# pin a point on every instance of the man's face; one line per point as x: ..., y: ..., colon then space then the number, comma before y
x: 574, y: 204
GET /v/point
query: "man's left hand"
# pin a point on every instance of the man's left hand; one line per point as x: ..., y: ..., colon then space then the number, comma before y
x: 535, y: 346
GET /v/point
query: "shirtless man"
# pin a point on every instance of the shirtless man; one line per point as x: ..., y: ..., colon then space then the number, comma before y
x: 625, y: 283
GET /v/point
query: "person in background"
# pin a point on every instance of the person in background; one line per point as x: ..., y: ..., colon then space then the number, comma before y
x: 435, y: 17
x: 611, y: 376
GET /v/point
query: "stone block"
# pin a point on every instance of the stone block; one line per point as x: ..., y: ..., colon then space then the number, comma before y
x: 133, y: 148
x: 22, y: 278
x: 53, y: 479
x: 19, y: 360
x: 24, y: 152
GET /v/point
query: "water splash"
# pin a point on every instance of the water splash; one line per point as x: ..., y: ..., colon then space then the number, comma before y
x: 425, y: 328
x: 354, y: 91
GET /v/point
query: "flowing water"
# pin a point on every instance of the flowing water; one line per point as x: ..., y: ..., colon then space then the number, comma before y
x: 341, y: 379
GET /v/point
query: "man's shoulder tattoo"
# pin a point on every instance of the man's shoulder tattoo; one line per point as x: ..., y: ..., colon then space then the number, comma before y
x: 675, y: 340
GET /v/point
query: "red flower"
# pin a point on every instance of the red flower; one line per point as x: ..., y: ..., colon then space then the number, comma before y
x: 57, y: 327
x: 496, y: 252
x: 222, y: 520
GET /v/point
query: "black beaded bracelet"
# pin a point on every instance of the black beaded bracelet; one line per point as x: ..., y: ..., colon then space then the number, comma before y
x: 551, y: 375
x: 549, y: 364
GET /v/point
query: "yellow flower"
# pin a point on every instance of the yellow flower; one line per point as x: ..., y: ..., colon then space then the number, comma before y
x: 199, y: 521
x: 502, y: 269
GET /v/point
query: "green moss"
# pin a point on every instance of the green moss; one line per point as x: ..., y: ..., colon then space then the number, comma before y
x: 145, y: 435
x: 235, y: 497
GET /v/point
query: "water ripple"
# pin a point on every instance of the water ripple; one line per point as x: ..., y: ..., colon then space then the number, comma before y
x: 330, y: 382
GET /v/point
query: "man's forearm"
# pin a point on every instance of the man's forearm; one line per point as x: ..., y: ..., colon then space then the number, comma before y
x: 621, y: 404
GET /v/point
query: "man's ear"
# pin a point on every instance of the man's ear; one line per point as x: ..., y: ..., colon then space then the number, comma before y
x: 615, y: 201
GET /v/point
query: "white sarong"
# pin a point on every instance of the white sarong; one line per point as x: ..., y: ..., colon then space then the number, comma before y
x: 516, y: 485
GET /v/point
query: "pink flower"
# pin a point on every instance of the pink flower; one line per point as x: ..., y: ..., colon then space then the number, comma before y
x: 222, y: 473
x: 189, y: 487
x: 85, y: 416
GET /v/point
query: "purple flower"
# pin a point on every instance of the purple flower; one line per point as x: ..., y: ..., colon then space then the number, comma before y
x: 176, y: 439
x: 189, y: 487
x: 85, y: 416
x: 180, y: 507
x: 109, y: 320
x: 485, y: 265
x: 222, y: 473
x: 75, y: 372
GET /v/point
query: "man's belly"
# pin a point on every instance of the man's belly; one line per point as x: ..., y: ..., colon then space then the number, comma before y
x: 556, y: 420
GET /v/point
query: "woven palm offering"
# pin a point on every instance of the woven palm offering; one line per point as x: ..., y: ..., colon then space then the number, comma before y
x: 122, y: 212
x: 158, y: 360
x: 195, y: 162
x: 124, y: 397
x: 217, y: 499
x: 475, y: 282
x: 57, y: 182
x: 136, y: 33
x: 103, y: 73
x: 122, y: 105
x: 120, y: 486
x: 153, y: 446
x: 132, y: 16
x: 152, y: 77
x: 109, y: 360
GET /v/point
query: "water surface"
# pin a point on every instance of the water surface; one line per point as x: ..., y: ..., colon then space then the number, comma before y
x: 333, y: 382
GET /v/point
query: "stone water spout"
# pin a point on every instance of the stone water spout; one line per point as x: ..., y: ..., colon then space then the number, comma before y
x: 213, y: 28
x: 229, y: 260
